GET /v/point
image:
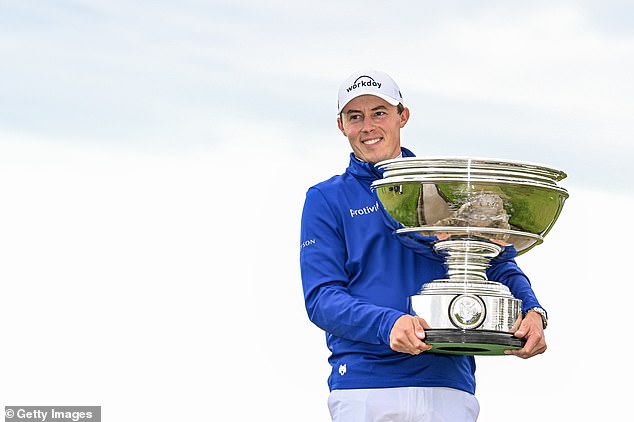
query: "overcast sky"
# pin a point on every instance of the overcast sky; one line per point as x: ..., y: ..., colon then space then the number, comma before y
x: 154, y: 157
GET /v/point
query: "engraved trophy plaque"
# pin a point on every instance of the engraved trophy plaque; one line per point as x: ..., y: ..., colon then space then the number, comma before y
x: 467, y: 210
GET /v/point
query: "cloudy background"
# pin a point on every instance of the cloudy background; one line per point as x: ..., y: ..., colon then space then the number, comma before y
x: 154, y: 157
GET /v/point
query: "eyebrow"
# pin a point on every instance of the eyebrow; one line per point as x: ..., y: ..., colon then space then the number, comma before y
x: 380, y: 107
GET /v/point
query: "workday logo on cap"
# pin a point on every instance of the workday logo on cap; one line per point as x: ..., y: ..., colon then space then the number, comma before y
x: 364, y: 81
x: 372, y: 82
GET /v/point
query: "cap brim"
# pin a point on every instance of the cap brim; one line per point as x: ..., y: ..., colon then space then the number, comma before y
x: 390, y: 100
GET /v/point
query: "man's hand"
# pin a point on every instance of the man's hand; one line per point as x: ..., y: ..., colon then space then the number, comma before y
x: 532, y: 329
x: 407, y: 335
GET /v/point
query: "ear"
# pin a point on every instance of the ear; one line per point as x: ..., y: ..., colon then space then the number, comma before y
x: 404, y: 116
x: 341, y: 128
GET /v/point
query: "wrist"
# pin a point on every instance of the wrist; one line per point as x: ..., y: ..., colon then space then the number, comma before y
x: 541, y: 312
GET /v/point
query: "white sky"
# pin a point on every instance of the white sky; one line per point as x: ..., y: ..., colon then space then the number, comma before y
x: 154, y: 157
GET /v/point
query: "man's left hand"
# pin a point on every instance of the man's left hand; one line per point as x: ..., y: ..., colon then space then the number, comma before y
x: 532, y: 329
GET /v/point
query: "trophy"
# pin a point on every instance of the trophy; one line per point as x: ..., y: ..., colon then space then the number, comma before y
x: 466, y: 211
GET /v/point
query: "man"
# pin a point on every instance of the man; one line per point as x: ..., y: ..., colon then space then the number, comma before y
x: 357, y: 278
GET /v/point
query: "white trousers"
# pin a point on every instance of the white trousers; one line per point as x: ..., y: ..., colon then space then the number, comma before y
x: 403, y: 404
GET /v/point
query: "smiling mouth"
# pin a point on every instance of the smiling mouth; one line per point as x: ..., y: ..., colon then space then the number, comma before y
x: 371, y: 141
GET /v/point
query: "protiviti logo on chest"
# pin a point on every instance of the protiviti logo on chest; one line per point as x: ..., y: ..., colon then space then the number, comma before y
x: 364, y: 211
x: 363, y: 81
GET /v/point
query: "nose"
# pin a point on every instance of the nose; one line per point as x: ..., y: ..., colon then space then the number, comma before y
x: 368, y: 125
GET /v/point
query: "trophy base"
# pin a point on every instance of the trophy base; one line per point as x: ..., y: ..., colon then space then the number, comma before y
x: 471, y: 342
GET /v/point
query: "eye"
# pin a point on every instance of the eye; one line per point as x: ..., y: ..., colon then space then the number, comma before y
x: 380, y: 113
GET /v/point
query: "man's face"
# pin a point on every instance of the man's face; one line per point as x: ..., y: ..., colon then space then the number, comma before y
x: 373, y: 127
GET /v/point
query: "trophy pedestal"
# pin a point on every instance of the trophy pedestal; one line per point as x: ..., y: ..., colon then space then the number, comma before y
x: 468, y: 314
x: 471, y: 342
x: 473, y: 317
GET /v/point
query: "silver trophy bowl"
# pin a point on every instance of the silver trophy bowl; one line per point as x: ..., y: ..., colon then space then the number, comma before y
x: 474, y: 208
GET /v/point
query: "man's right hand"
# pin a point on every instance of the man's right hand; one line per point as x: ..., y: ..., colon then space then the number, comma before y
x: 407, y: 335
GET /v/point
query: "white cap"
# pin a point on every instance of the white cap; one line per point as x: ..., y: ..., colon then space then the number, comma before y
x: 369, y: 82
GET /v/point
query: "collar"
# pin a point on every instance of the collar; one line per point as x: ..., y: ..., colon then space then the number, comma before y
x: 363, y: 170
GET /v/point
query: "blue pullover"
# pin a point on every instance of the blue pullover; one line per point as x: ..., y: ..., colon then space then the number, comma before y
x: 357, y: 279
